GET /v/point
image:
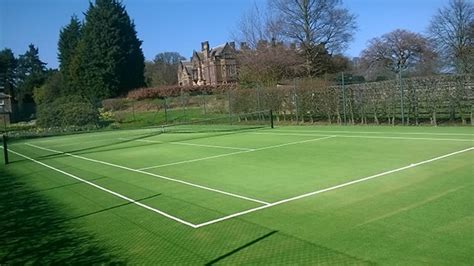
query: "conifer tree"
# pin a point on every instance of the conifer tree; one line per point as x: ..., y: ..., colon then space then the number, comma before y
x: 108, y: 60
x: 69, y: 37
x: 31, y: 73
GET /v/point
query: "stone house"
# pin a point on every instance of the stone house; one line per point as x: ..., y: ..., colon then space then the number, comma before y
x: 210, y: 66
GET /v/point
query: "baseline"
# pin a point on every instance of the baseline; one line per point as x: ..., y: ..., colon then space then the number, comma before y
x: 378, y: 132
x: 331, y: 188
x: 150, y: 174
x: 363, y: 137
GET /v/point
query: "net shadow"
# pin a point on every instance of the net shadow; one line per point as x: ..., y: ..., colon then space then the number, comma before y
x: 109, y: 208
x: 216, y: 260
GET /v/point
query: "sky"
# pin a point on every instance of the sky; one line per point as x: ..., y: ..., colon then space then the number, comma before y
x: 181, y: 25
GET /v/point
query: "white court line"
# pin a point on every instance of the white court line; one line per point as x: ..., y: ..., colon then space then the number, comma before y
x: 377, y: 132
x: 150, y: 174
x: 331, y: 188
x: 188, y: 144
x: 108, y: 191
x: 234, y: 153
x: 362, y: 137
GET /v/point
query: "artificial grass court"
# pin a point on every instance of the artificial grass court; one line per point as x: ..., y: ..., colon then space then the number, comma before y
x: 289, y: 195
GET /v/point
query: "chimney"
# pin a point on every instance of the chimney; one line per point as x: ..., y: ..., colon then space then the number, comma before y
x: 243, y: 46
x: 205, y: 48
x: 232, y: 44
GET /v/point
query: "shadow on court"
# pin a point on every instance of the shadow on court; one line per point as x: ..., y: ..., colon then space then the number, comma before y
x: 249, y: 244
x: 276, y: 247
x: 109, y: 208
x: 32, y: 231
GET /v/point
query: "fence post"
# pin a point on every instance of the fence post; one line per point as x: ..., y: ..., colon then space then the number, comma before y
x: 5, y: 148
x: 271, y: 118
x: 402, y: 111
x: 344, y: 98
x: 229, y: 102
x: 259, y: 107
x: 166, y: 110
x: 296, y: 102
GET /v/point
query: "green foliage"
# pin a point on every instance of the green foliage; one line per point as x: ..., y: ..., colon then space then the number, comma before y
x: 109, y: 60
x: 31, y: 73
x: 8, y: 64
x: 67, y: 111
x: 50, y: 90
x: 69, y: 37
x: 163, y: 69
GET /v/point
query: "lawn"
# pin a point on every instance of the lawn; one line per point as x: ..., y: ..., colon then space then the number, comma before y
x: 288, y: 195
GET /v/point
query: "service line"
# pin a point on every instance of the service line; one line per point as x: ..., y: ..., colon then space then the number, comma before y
x: 331, y: 188
x: 150, y: 174
x: 238, y: 152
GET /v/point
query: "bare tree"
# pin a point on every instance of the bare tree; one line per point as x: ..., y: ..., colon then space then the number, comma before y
x: 268, y: 64
x: 257, y: 24
x: 451, y: 31
x: 319, y: 26
x: 399, y: 50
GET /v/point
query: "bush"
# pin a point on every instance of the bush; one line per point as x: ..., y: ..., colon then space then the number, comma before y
x: 67, y: 111
x: 174, y: 91
x: 115, y: 104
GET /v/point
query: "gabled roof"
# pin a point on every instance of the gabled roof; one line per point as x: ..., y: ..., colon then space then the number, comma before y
x: 187, y: 66
x: 199, y: 55
x: 217, y: 51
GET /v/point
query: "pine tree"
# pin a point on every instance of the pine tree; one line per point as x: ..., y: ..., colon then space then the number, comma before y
x: 69, y: 37
x: 8, y: 64
x: 109, y: 60
x: 31, y: 74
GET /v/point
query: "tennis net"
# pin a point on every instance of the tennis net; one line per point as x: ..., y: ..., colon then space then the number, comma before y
x: 228, y: 123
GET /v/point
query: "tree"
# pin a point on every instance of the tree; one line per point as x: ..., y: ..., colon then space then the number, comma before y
x: 257, y: 24
x: 109, y: 60
x: 69, y: 37
x: 268, y: 64
x: 319, y: 26
x: 451, y: 31
x: 31, y: 74
x: 8, y: 64
x: 52, y: 89
x: 399, y: 50
x: 162, y: 70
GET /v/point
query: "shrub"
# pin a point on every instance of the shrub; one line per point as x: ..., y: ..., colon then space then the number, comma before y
x: 115, y: 104
x: 174, y: 91
x: 67, y: 111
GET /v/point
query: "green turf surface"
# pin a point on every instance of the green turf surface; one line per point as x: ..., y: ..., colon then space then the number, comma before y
x: 423, y: 214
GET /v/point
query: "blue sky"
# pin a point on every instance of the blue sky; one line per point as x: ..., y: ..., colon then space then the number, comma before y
x: 181, y: 25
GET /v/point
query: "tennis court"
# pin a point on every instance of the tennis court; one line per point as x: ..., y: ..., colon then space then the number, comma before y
x: 260, y: 195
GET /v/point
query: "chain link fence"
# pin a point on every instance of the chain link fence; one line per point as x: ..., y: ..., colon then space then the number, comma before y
x: 426, y: 100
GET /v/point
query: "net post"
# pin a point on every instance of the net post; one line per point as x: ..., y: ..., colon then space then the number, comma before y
x: 5, y: 149
x: 271, y: 118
